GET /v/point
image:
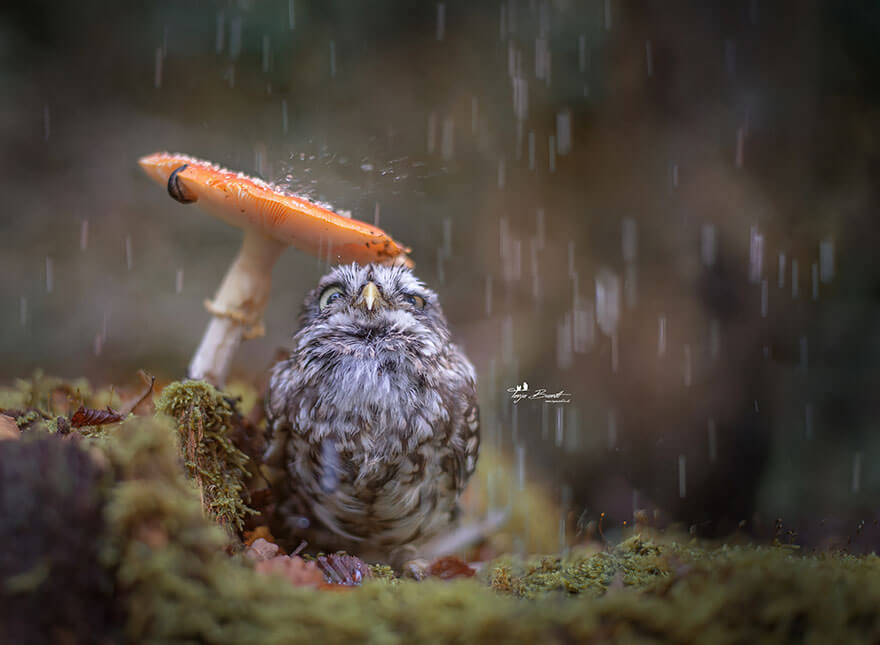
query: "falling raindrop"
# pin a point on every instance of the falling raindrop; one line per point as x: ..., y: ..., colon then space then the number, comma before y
x: 520, y: 466
x: 447, y: 236
x: 545, y: 420
x: 682, y: 476
x: 98, y: 344
x: 795, y: 290
x: 571, y: 271
x: 532, y: 150
x: 432, y: 131
x: 607, y: 15
x: 520, y: 98
x: 857, y: 472
x: 291, y: 16
x: 441, y: 20
x: 447, y: 145
x: 502, y: 27
x: 629, y: 239
x: 376, y: 214
x: 178, y: 285
x: 708, y: 246
x: 584, y: 326
x: 46, y: 123
x: 615, y: 353
x: 814, y: 271
x: 740, y: 145
x: 714, y: 338
x: 441, y: 276
x: 754, y: 14
x: 128, y: 255
x: 235, y: 37
x: 563, y: 131
x: 661, y: 336
x: 756, y: 255
x: 540, y: 58
x: 539, y: 226
x: 157, y: 71
x: 332, y: 59
x: 84, y: 235
x: 23, y: 311
x: 221, y: 32
x: 501, y: 173
x: 765, y: 296
x: 284, y: 116
x: 781, y: 271
x: 631, y: 285
x: 826, y: 260
x: 582, y: 53
x: 730, y: 56
x: 607, y: 300
x: 674, y: 176
x: 564, y: 342
x: 329, y: 466
x: 649, y: 58
x: 551, y: 150
x: 50, y: 275
x: 266, y: 53
x: 559, y: 426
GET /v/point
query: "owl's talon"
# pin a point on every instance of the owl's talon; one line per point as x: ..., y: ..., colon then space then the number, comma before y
x: 416, y: 569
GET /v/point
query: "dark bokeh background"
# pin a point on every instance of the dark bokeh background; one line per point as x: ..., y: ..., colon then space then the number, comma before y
x: 707, y: 140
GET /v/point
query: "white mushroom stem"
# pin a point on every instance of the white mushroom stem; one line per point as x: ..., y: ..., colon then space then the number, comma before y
x: 237, y: 308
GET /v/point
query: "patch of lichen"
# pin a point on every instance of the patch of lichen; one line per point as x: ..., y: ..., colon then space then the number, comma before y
x: 203, y: 418
x: 175, y: 582
x: 180, y: 586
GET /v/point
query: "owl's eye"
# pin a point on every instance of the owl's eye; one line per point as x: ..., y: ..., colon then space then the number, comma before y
x: 416, y: 301
x: 330, y: 294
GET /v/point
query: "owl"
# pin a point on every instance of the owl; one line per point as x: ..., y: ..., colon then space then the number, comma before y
x: 373, y: 420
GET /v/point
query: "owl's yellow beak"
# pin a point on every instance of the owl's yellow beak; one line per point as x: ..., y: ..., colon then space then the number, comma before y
x: 371, y: 297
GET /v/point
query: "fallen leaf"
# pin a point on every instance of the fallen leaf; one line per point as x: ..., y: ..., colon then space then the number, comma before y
x: 8, y: 428
x: 90, y: 417
x: 261, y: 550
x: 450, y: 567
x: 296, y: 570
x: 260, y: 532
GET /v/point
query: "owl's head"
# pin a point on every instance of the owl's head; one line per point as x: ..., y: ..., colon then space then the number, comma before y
x: 370, y: 308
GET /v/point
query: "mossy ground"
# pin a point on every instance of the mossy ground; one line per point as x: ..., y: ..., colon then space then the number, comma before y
x: 175, y: 582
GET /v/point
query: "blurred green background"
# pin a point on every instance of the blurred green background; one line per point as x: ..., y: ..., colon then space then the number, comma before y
x: 609, y: 196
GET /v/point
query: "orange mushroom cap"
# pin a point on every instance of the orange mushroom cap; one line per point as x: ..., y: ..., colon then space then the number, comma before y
x: 248, y: 202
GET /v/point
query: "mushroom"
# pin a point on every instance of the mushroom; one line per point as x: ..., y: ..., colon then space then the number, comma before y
x: 271, y: 219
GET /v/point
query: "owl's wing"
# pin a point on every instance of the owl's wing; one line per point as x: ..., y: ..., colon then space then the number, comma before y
x: 464, y: 441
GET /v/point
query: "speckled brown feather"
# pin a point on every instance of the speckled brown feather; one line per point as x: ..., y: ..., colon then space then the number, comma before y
x: 374, y: 422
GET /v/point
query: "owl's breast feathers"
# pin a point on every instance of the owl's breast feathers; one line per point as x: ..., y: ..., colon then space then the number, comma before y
x: 373, y: 451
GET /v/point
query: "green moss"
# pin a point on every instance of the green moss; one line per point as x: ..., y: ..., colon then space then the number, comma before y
x: 203, y: 419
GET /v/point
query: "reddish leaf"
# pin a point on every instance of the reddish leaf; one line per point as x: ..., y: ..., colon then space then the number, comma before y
x: 92, y: 417
x: 450, y: 567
